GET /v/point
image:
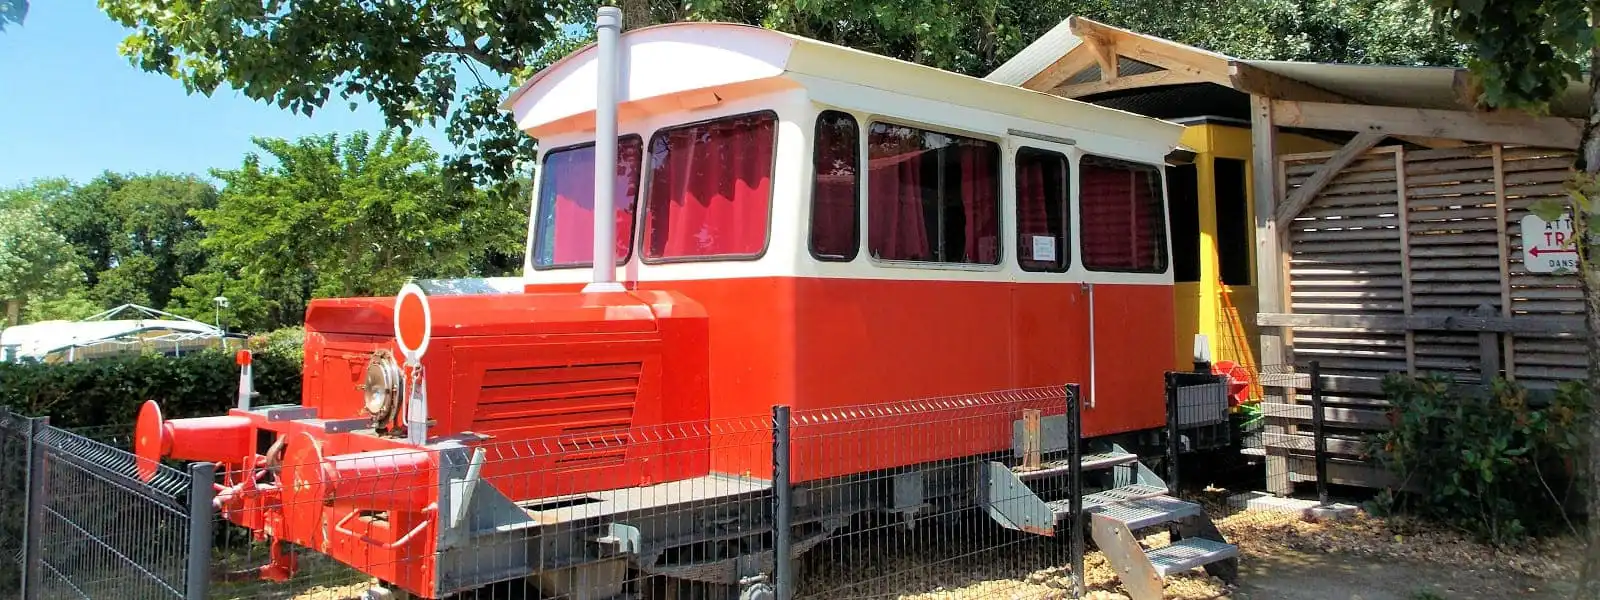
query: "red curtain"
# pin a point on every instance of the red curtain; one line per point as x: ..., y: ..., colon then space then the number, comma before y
x: 710, y: 188
x: 566, y: 235
x: 1032, y: 217
x: 896, y: 228
x: 834, y: 195
x: 978, y: 195
x: 1121, y: 227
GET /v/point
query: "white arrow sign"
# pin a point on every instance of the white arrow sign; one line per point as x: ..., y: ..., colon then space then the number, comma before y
x: 1547, y: 246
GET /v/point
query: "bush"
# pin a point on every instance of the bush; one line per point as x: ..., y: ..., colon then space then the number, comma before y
x: 288, y: 343
x: 109, y: 391
x: 1488, y: 461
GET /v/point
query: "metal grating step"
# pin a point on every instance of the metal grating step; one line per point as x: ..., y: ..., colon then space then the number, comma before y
x: 1091, y: 462
x: 1092, y: 502
x: 1189, y: 553
x: 1145, y: 512
x: 1121, y: 494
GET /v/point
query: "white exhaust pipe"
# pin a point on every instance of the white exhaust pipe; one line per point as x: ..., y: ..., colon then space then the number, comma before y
x: 608, y: 27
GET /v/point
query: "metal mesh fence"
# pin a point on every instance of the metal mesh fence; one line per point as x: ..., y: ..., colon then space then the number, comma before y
x: 929, y: 498
x: 866, y: 501
x: 79, y: 522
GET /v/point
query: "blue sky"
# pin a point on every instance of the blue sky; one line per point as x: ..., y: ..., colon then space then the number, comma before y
x: 71, y: 106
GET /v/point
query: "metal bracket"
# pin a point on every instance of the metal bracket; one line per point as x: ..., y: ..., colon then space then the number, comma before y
x: 290, y: 413
x: 1012, y: 504
x: 620, y: 539
x: 346, y: 425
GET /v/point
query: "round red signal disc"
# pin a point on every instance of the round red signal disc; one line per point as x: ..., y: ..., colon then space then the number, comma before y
x: 149, y: 440
x: 413, y: 322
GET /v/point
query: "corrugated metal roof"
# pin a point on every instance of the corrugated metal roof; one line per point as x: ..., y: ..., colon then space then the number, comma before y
x: 1038, y: 56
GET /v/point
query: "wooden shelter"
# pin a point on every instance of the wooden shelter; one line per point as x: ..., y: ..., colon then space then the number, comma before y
x: 1397, y: 246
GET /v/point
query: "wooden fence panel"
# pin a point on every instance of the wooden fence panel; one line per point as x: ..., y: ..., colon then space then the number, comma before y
x: 1533, y: 174
x: 1409, y: 236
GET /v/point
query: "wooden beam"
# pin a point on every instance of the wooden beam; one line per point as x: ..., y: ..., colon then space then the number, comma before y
x: 1500, y: 127
x: 1104, y: 48
x: 1197, y: 63
x: 1261, y: 82
x: 1070, y: 64
x: 1302, y: 196
x: 1402, y: 202
x: 1079, y: 90
x: 1400, y: 323
x: 1268, y: 256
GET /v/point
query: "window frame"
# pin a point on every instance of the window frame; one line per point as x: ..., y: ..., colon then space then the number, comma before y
x: 1067, y: 204
x: 538, y: 213
x: 643, y: 217
x: 1164, y: 250
x: 856, y: 218
x: 1000, y: 188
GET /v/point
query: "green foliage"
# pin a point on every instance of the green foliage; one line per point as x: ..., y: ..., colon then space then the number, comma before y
x: 418, y: 61
x: 35, y: 261
x: 71, y: 305
x: 1523, y: 53
x: 12, y: 11
x: 109, y: 391
x: 288, y: 343
x: 1497, y: 463
x: 136, y: 234
x: 340, y: 217
x: 451, y: 61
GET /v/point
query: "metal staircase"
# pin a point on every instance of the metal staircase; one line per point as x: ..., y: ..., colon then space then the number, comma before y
x: 1037, y: 492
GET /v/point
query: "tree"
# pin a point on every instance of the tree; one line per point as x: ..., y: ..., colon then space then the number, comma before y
x: 341, y: 217
x: 1523, y: 55
x: 451, y: 61
x: 134, y: 233
x: 12, y: 11
x: 35, y: 262
x: 408, y: 57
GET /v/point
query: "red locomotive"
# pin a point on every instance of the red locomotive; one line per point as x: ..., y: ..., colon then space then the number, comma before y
x: 795, y: 223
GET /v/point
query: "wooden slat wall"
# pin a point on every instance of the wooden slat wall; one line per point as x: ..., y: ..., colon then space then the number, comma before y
x: 1454, y: 250
x: 1344, y: 257
x: 1414, y: 232
x: 1532, y: 174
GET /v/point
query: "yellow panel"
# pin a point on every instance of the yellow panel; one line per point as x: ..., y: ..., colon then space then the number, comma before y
x: 1186, y: 305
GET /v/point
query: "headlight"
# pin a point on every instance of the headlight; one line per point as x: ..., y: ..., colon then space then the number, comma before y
x: 381, y: 388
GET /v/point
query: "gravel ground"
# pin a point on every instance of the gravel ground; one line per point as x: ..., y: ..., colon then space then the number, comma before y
x: 1285, y: 558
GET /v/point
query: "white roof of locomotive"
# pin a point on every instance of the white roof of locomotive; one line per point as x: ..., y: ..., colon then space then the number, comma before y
x: 669, y: 60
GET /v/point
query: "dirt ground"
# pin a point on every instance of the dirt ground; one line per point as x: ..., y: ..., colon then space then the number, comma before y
x: 1295, y: 575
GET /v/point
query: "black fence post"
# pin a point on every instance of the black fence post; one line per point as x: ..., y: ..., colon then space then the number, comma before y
x: 783, y: 505
x: 197, y: 574
x: 1075, y: 486
x: 1172, y: 431
x: 33, y: 528
x: 1318, y: 431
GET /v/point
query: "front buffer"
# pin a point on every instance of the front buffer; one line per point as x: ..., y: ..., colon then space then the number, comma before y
x: 434, y: 472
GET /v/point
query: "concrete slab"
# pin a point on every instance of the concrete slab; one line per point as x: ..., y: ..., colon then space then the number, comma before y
x: 1305, y: 508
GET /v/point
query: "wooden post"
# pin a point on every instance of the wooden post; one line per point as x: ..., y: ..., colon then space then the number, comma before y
x: 1030, y: 439
x: 1500, y: 209
x: 1405, y: 254
x: 1488, y: 348
x: 1269, y: 256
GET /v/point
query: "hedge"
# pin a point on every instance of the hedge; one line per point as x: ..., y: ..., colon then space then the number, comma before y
x: 109, y: 391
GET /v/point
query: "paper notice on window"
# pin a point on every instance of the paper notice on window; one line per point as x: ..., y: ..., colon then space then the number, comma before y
x: 1044, y: 248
